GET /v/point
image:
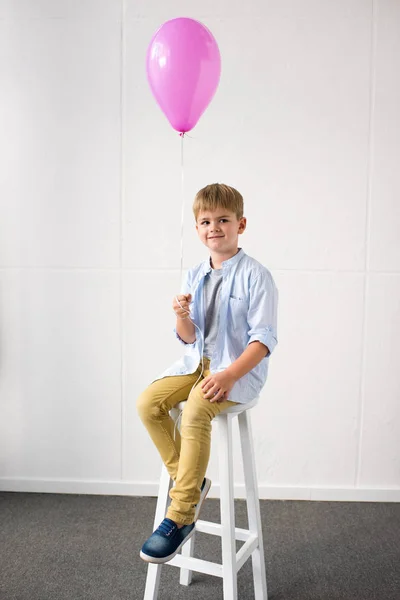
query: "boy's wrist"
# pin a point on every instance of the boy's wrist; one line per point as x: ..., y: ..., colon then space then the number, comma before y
x: 230, y: 371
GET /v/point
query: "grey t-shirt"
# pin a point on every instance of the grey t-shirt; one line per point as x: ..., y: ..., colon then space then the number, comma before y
x: 212, y: 289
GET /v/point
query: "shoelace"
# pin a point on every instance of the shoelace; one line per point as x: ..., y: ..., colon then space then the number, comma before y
x: 166, y: 528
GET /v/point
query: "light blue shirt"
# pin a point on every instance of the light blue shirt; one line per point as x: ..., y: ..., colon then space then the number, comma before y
x: 248, y: 313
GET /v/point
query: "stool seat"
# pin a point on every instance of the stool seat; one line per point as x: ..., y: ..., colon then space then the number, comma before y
x: 232, y: 561
x: 237, y: 408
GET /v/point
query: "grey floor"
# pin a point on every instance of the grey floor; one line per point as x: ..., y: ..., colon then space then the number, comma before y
x: 73, y: 547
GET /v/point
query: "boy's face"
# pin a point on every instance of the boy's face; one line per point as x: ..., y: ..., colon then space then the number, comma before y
x: 219, y: 230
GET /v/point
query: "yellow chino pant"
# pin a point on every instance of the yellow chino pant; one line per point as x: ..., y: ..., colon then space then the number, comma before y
x: 185, y: 453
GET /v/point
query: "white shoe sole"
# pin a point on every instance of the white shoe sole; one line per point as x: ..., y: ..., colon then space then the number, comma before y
x: 164, y: 559
x: 203, y: 496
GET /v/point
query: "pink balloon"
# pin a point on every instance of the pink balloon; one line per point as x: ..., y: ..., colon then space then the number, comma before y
x: 183, y: 70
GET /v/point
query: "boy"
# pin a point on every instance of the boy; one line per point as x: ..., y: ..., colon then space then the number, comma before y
x: 226, y: 320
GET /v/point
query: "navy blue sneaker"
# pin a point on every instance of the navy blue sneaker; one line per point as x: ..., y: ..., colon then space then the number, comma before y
x: 166, y: 541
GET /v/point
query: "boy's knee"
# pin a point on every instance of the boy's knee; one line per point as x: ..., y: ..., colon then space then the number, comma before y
x: 146, y: 407
x: 141, y: 404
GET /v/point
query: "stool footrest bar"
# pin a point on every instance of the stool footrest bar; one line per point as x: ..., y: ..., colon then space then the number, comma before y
x: 215, y: 529
x: 196, y: 564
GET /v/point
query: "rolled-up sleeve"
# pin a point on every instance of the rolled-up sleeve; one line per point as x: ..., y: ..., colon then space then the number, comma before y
x: 186, y: 288
x: 178, y: 337
x: 262, y: 312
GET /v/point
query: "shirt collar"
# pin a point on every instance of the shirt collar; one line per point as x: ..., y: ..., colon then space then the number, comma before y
x: 227, y: 264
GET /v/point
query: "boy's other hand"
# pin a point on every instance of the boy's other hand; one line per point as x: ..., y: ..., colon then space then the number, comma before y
x: 185, y: 300
x: 217, y: 387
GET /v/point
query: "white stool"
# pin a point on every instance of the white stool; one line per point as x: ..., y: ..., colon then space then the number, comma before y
x: 253, y: 541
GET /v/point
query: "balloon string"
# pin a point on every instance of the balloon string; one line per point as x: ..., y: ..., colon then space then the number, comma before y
x: 183, y: 204
x: 188, y: 311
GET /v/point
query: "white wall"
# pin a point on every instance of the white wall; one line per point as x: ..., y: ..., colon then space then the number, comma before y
x: 306, y: 124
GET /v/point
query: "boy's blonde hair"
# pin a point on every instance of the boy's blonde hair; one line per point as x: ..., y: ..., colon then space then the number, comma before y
x: 218, y: 195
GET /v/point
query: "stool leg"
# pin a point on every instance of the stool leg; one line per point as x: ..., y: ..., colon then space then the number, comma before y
x: 227, y: 507
x: 253, y: 505
x: 187, y: 550
x: 153, y: 570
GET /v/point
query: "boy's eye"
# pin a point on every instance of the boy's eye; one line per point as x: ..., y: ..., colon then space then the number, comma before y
x: 207, y: 222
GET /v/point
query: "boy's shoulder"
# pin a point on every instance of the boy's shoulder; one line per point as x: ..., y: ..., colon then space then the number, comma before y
x: 255, y: 268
